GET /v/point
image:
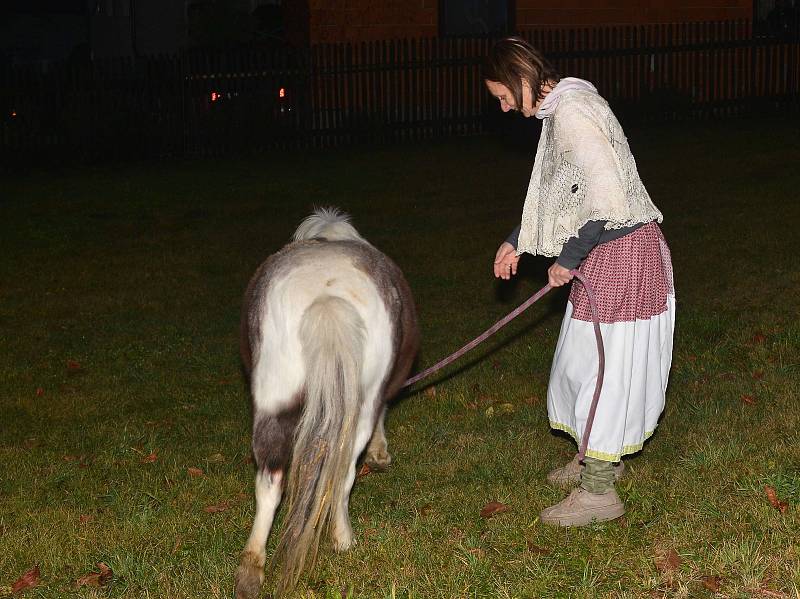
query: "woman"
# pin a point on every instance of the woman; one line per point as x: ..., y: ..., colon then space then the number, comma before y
x: 587, y: 206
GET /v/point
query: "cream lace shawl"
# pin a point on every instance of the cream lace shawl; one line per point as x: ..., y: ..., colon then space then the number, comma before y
x: 583, y: 171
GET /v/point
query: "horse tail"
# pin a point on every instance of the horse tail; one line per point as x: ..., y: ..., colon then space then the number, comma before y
x: 332, y: 339
x: 328, y: 223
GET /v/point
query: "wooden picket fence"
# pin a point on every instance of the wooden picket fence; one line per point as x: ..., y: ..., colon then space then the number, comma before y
x: 219, y: 102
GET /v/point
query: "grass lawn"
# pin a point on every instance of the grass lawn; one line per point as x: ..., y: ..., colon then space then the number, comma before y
x: 120, y: 380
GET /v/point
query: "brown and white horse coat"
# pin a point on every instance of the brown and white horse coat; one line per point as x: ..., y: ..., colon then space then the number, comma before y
x: 329, y: 334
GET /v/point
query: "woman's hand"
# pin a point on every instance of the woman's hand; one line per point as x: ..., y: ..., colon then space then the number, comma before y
x: 557, y: 275
x: 505, y: 261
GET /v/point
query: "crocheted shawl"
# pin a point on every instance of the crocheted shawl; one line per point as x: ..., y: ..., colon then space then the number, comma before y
x: 583, y: 171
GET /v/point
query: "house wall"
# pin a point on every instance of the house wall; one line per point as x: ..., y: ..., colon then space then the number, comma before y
x: 537, y: 13
x: 315, y: 21
x: 363, y: 20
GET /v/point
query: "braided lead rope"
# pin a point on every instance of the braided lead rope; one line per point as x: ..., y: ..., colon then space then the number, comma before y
x: 511, y: 316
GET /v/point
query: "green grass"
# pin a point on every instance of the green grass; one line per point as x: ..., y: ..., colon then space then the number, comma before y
x: 120, y: 290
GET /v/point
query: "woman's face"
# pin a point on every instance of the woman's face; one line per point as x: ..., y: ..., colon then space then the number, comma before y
x: 506, y: 98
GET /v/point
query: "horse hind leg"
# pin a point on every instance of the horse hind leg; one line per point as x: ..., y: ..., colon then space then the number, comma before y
x: 378, y: 456
x: 342, y: 530
x: 272, y: 444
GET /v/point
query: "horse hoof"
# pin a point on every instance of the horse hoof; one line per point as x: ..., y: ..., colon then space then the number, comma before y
x: 249, y: 576
x: 342, y: 545
x: 378, y: 461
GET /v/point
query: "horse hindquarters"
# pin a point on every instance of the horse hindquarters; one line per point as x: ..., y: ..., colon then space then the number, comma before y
x: 332, y: 339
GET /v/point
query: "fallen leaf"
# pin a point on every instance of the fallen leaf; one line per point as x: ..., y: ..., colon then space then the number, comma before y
x: 748, y: 399
x: 27, y: 580
x: 194, y: 472
x: 506, y: 408
x: 430, y: 392
x: 667, y: 561
x: 770, y: 593
x: 456, y: 534
x: 149, y: 459
x: 772, y: 495
x: 365, y: 469
x: 477, y: 552
x: 73, y: 366
x: 538, y: 550
x: 489, y: 412
x: 493, y: 508
x: 39, y: 391
x: 215, y: 509
x: 758, y: 337
x: 712, y: 583
x: 96, y: 579
x: 85, y: 518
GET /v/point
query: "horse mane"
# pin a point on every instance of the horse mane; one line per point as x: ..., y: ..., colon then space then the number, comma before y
x: 329, y: 223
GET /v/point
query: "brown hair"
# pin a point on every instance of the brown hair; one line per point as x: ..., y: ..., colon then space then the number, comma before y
x: 512, y: 60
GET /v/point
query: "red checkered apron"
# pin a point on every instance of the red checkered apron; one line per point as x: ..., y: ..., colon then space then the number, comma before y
x: 631, y: 277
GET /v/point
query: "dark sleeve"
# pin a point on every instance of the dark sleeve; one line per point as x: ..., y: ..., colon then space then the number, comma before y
x: 577, y: 248
x: 513, y: 237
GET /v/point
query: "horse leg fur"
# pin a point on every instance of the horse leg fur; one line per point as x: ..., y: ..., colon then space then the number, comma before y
x: 378, y: 456
x: 342, y: 531
x: 250, y: 573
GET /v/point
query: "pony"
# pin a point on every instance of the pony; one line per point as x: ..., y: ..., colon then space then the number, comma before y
x: 328, y: 335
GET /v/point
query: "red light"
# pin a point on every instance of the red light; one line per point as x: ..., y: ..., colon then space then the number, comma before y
x: 214, y: 96
x: 282, y: 92
x: 13, y: 114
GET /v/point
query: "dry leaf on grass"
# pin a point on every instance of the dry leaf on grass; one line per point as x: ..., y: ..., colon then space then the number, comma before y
x: 770, y: 593
x: 538, y: 550
x: 365, y: 470
x: 225, y: 504
x: 27, y: 580
x: 493, y: 508
x: 194, y: 472
x: 712, y: 583
x: 73, y: 366
x: 430, y: 392
x: 149, y: 459
x: 758, y: 338
x: 748, y: 399
x: 215, y: 509
x: 96, y: 579
x: 667, y: 561
x: 85, y: 518
x: 39, y: 391
x: 772, y: 495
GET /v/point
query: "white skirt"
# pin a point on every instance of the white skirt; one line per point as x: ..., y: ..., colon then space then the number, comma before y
x: 638, y: 349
